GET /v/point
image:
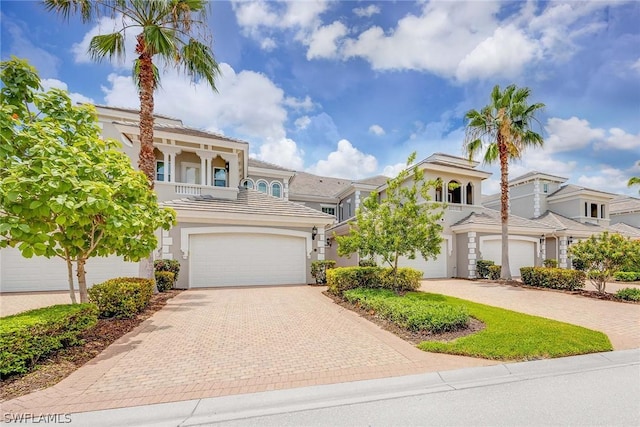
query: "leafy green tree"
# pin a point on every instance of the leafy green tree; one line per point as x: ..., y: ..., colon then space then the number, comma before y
x: 64, y: 191
x: 502, y: 130
x: 603, y: 255
x: 398, y: 221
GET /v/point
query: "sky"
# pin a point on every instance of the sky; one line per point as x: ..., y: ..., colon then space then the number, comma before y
x: 350, y: 89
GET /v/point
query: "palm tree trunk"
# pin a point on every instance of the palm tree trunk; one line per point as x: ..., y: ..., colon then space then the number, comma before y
x: 505, y: 272
x: 147, y: 158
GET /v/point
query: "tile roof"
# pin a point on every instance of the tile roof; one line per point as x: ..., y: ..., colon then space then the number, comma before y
x: 266, y: 165
x: 486, y: 216
x: 570, y: 188
x: 304, y: 183
x: 624, y: 204
x: 560, y: 222
x: 248, y: 202
x: 377, y: 180
x: 184, y: 130
x: 134, y: 111
x: 625, y: 230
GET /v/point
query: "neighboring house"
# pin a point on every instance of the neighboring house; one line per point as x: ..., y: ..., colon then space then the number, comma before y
x: 245, y: 222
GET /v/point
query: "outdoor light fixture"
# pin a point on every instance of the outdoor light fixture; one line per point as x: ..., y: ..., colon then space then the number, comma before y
x: 542, y: 239
x: 329, y: 241
x: 570, y: 240
x: 314, y: 232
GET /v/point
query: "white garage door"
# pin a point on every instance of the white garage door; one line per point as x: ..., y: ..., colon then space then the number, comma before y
x: 431, y: 268
x: 19, y: 274
x: 239, y: 259
x: 521, y: 254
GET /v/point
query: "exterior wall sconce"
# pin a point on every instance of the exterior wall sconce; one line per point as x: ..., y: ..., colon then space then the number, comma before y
x: 329, y: 241
x: 570, y: 241
x: 542, y: 239
x: 314, y: 232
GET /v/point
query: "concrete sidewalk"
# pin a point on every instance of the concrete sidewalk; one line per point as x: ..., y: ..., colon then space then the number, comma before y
x: 224, y: 409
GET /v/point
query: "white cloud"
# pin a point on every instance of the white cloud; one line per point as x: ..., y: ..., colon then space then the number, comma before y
x: 366, y: 12
x: 283, y: 152
x: 570, y: 134
x: 302, y: 122
x: 263, y: 118
x: 620, y: 140
x: 393, y: 170
x: 346, y: 162
x: 607, y: 179
x: 305, y: 104
x: 324, y: 41
x: 636, y: 66
x: 75, y: 97
x: 376, y: 130
x: 504, y: 53
x: 46, y: 63
x: 268, y: 44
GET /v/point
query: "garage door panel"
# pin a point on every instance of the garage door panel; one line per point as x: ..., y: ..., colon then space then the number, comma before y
x: 19, y: 274
x: 521, y: 254
x: 430, y: 268
x: 246, y: 259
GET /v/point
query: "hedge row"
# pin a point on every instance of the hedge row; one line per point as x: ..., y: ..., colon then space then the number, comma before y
x: 123, y: 297
x: 627, y: 276
x: 554, y: 278
x: 344, y: 278
x: 629, y: 294
x: 408, y: 313
x: 28, y: 336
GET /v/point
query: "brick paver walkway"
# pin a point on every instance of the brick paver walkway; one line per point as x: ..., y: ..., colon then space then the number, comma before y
x: 620, y: 321
x: 208, y: 343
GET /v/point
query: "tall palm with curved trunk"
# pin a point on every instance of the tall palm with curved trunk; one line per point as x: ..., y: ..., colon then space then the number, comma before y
x: 634, y: 180
x: 167, y: 30
x: 502, y: 131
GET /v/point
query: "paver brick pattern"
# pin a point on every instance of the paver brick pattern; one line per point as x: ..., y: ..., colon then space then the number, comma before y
x: 213, y: 342
x: 620, y: 321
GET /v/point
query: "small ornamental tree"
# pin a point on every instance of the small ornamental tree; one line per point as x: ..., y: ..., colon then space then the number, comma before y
x: 64, y: 191
x: 603, y: 255
x: 400, y: 221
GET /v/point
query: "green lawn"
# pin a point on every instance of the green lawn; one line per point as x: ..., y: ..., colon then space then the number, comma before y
x: 510, y: 335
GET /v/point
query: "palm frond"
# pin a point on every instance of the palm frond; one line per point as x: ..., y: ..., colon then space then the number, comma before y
x: 199, y: 62
x: 66, y: 8
x: 159, y: 40
x: 107, y: 46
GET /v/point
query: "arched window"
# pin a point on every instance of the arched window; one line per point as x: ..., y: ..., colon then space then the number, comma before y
x: 263, y: 187
x: 438, y: 190
x: 247, y: 183
x: 454, y: 192
x: 469, y: 194
x: 276, y: 189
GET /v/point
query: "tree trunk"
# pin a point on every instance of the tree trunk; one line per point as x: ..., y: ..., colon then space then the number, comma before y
x: 72, y: 291
x: 82, y: 280
x: 146, y: 270
x: 505, y: 272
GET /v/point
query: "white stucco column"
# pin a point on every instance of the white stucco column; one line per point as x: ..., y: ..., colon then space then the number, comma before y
x: 357, y: 197
x: 169, y: 154
x: 563, y: 252
x: 203, y: 170
x: 536, y: 198
x: 472, y: 255
x: 543, y: 249
x: 165, y: 174
x: 234, y: 173
x: 205, y: 166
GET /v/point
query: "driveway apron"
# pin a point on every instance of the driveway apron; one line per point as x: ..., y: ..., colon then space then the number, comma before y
x: 214, y: 342
x: 620, y: 321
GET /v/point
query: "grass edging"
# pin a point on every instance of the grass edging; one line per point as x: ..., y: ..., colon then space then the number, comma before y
x: 510, y: 335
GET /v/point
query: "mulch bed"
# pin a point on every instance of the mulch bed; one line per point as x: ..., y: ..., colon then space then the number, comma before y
x: 582, y: 292
x: 414, y: 337
x: 59, y: 365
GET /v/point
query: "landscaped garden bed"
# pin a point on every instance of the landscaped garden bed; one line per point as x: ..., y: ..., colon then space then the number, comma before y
x: 58, y: 365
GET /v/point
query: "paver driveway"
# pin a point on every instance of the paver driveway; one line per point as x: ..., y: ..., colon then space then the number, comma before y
x: 620, y: 321
x: 208, y: 343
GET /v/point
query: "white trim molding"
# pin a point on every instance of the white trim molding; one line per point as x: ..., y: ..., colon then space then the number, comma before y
x: 186, y: 233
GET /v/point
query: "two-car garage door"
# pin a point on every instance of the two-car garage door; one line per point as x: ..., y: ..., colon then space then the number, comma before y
x: 237, y: 259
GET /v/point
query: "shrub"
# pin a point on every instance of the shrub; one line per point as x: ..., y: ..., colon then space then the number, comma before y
x: 319, y: 270
x: 550, y: 263
x: 482, y: 268
x: 578, y: 264
x: 410, y: 313
x: 629, y: 294
x: 344, y: 278
x: 172, y: 265
x: 553, y: 278
x: 123, y: 297
x: 626, y: 276
x: 494, y: 272
x: 28, y: 336
x: 367, y: 262
x: 164, y: 280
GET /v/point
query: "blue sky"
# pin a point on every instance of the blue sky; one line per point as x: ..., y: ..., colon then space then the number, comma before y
x: 350, y: 89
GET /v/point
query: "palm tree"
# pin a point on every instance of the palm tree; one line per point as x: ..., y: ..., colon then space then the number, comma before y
x: 634, y: 180
x: 503, y: 130
x: 166, y: 30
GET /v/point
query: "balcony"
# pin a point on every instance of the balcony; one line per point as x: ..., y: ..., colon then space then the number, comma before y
x: 178, y: 190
